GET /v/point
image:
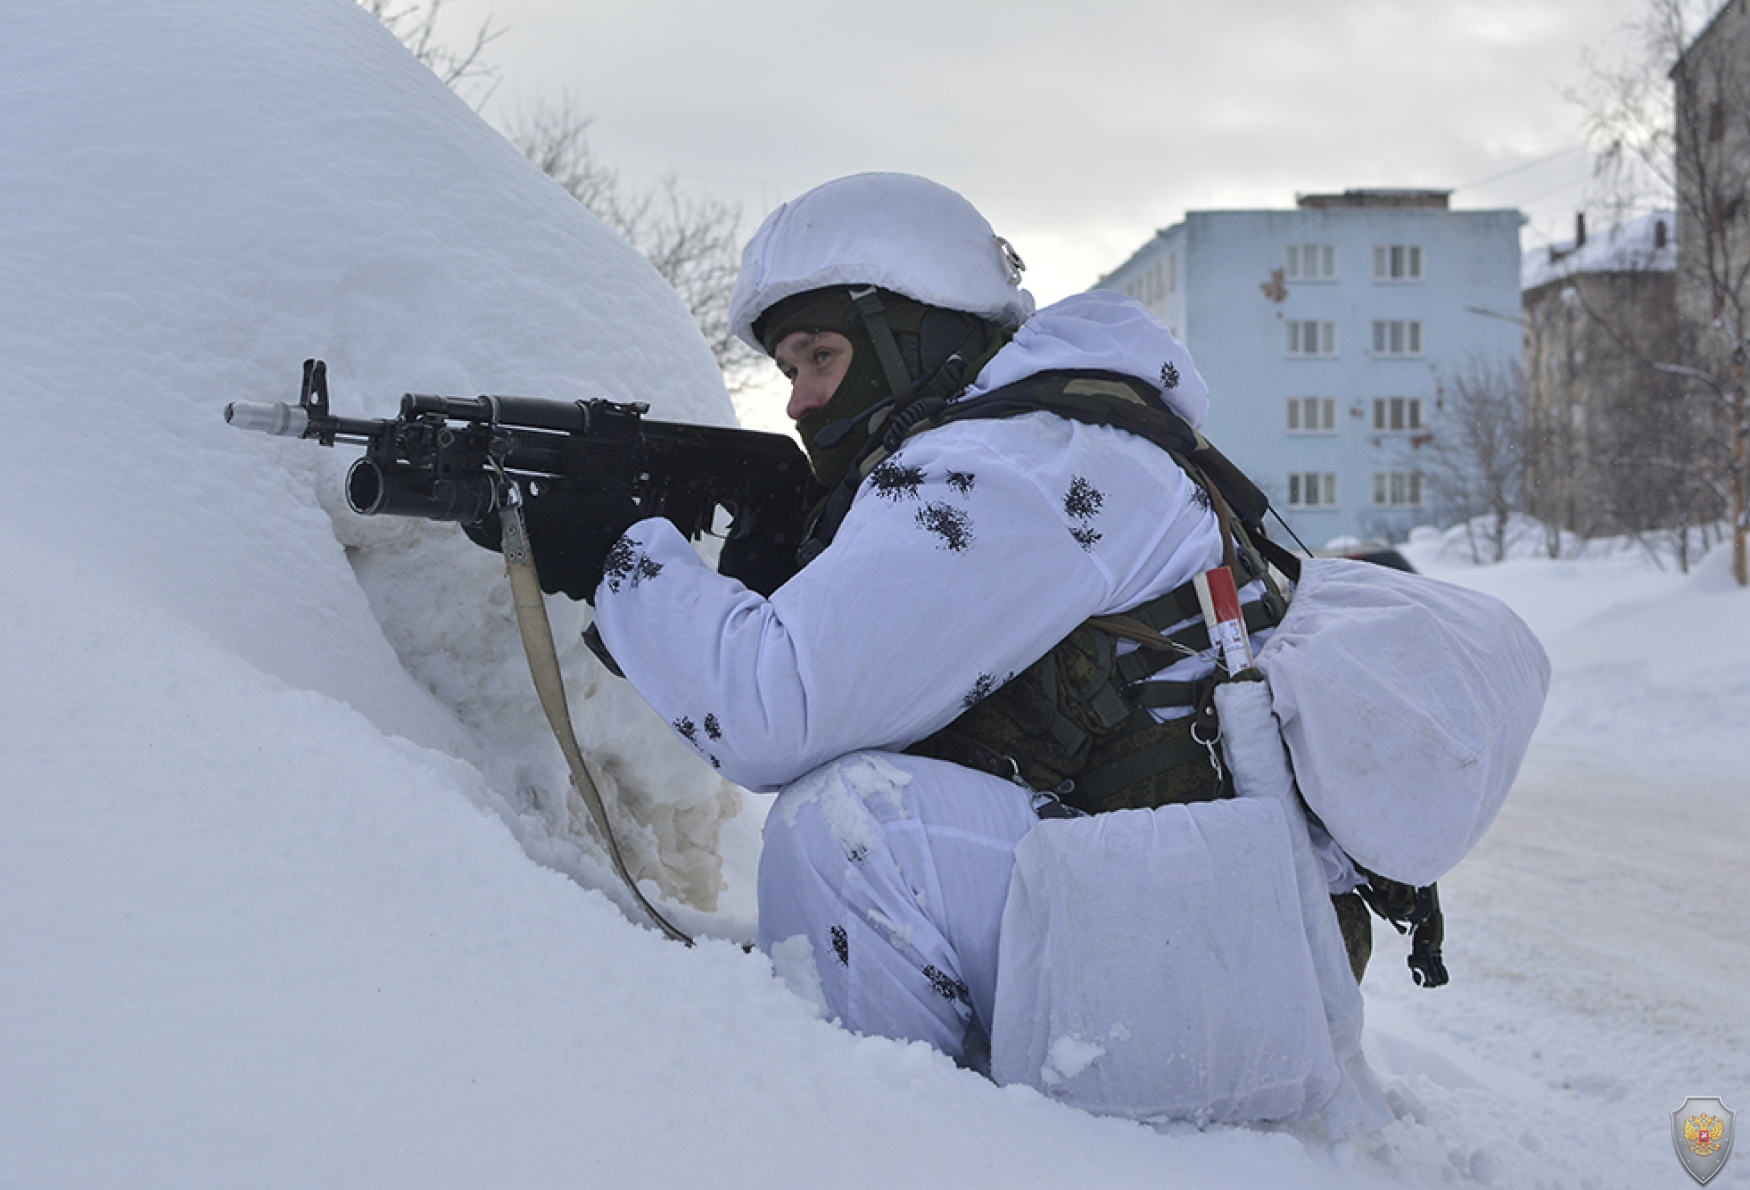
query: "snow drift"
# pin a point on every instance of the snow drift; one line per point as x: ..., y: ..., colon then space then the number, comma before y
x: 198, y: 199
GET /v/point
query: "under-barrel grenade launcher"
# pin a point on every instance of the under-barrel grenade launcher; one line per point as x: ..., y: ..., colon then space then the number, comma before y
x: 451, y: 459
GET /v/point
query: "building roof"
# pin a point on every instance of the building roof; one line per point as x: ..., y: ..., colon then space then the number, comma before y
x: 1638, y: 246
x: 1426, y: 199
x: 1706, y: 32
x: 1147, y: 246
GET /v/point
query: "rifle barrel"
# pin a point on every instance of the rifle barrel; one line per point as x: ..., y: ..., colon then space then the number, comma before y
x: 294, y: 421
x: 268, y: 417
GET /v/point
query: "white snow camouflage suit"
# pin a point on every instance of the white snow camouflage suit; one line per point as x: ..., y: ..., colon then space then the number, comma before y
x: 965, y: 556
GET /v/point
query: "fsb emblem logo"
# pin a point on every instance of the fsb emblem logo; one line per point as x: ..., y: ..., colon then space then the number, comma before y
x: 1702, y: 1131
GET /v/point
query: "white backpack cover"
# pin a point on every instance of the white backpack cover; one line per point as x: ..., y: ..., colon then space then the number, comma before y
x: 1407, y: 705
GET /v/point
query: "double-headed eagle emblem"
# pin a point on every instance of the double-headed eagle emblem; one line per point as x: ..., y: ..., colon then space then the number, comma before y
x: 1702, y: 1132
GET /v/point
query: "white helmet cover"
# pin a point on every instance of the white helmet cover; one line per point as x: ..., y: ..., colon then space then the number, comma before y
x: 895, y: 231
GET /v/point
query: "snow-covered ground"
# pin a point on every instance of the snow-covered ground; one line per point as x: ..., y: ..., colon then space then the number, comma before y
x: 290, y: 893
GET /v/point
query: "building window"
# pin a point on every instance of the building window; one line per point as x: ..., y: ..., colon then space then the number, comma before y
x: 1312, y: 415
x: 1397, y: 337
x: 1397, y: 489
x: 1312, y: 489
x: 1397, y: 262
x: 1397, y: 413
x: 1312, y: 338
x: 1312, y: 262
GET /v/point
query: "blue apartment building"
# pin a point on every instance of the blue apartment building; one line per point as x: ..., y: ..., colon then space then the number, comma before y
x: 1327, y: 333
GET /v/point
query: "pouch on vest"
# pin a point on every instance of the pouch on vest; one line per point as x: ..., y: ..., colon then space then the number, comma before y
x: 1407, y: 705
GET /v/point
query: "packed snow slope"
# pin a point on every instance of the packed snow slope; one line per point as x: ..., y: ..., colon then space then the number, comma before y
x: 290, y: 890
x: 196, y: 199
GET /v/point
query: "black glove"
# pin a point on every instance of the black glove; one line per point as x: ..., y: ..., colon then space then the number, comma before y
x: 760, y: 550
x: 573, y: 522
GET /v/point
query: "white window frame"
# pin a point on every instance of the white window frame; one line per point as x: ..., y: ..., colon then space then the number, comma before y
x: 1398, y: 264
x: 1398, y: 489
x: 1312, y: 490
x: 1398, y: 338
x: 1323, y: 259
x: 1322, y: 337
x: 1397, y: 415
x: 1312, y: 415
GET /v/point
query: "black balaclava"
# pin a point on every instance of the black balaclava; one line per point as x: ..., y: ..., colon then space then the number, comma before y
x: 940, y: 349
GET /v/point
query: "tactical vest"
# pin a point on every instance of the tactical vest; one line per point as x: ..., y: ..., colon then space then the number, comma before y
x: 1075, y: 725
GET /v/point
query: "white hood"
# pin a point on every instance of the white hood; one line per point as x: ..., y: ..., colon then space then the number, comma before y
x: 1107, y: 332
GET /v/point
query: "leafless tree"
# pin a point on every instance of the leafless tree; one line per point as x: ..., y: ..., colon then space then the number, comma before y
x: 465, y: 71
x: 1474, y: 461
x: 694, y: 243
x: 1675, y: 123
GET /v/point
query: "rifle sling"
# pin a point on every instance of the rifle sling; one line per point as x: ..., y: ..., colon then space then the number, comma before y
x: 537, y: 633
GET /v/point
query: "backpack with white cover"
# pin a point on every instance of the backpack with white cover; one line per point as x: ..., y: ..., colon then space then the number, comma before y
x: 1407, y: 705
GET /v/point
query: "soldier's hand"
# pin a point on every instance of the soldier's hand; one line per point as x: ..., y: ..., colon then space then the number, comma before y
x: 573, y: 522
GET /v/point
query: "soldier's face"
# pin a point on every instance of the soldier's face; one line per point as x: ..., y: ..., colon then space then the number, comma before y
x: 814, y: 362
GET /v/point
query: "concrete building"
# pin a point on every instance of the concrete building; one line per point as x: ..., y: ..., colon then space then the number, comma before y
x: 1711, y: 83
x: 1599, y: 311
x: 1324, y: 333
x: 1712, y: 166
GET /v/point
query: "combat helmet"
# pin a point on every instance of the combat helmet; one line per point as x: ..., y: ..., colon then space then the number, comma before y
x: 903, y: 267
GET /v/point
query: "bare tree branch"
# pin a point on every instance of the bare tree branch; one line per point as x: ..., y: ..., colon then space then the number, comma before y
x: 1474, y: 461
x: 414, y: 24
x: 694, y: 243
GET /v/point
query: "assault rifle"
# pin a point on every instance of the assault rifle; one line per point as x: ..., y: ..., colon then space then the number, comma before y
x: 452, y: 459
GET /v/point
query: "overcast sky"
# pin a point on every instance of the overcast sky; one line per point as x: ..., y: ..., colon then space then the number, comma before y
x: 1078, y: 128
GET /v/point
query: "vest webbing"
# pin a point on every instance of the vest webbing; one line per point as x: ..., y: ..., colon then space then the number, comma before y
x: 1127, y: 760
x: 1077, y: 722
x: 1100, y: 749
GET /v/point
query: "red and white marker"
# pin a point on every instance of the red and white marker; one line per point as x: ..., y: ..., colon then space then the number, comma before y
x: 1220, y: 601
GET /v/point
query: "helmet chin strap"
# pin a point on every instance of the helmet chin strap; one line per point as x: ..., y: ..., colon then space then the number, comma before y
x: 972, y: 353
x: 899, y: 377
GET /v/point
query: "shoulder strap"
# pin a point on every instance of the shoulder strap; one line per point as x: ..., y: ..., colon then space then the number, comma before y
x: 1094, y: 398
x: 1113, y: 399
x: 537, y: 634
x: 1126, y: 403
